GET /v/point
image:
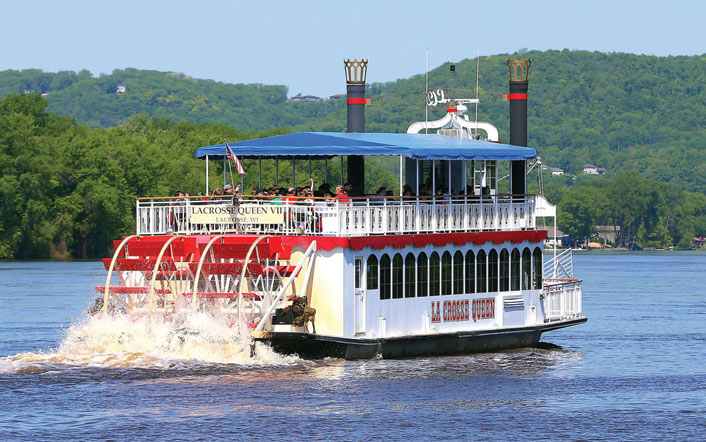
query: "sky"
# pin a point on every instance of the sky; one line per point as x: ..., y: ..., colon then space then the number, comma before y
x: 302, y: 44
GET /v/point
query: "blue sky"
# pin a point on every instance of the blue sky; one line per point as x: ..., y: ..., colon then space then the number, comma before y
x: 301, y: 44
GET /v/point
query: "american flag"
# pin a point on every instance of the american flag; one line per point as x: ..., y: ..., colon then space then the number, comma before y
x: 232, y: 157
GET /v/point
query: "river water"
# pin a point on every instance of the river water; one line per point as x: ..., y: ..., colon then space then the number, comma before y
x: 636, y: 370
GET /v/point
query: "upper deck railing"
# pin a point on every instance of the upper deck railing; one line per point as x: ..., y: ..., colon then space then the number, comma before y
x: 331, y: 217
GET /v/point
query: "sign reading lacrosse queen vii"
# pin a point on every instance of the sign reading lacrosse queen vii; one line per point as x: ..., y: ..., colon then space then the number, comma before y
x: 243, y: 214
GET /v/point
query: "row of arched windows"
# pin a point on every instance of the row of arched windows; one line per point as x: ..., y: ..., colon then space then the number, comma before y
x: 419, y: 275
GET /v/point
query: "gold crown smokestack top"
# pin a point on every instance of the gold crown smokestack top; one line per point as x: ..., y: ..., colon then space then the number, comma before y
x: 356, y: 72
x: 519, y: 84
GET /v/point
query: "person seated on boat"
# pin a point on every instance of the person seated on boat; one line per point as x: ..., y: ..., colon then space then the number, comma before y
x: 424, y: 190
x: 442, y: 195
x: 216, y: 196
x: 486, y: 193
x: 348, y: 187
x: 278, y: 193
x: 324, y: 188
x: 230, y: 195
x: 380, y: 194
x: 291, y: 196
x: 341, y: 196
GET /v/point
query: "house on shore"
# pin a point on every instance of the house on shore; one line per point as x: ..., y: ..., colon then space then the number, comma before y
x: 592, y: 169
x: 554, y: 170
x: 305, y: 98
x: 608, y: 234
x: 559, y: 240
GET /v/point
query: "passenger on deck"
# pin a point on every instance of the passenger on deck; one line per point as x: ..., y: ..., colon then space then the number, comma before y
x: 216, y: 196
x: 177, y: 211
x: 341, y: 196
x: 324, y: 188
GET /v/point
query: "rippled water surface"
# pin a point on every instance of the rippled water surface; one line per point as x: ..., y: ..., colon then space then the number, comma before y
x: 636, y: 370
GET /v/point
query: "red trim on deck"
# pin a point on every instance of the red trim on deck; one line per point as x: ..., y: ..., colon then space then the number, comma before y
x: 516, y: 96
x: 282, y: 245
x: 357, y: 101
x: 421, y: 240
x: 452, y: 110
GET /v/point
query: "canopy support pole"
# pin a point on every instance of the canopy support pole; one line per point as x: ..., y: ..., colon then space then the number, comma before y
x: 206, y: 175
x: 294, y: 178
x: 326, y: 171
x: 433, y: 177
x: 449, y: 168
x: 417, y: 178
x: 309, y: 168
x: 259, y: 173
x: 224, y: 171
x: 341, y: 170
x: 401, y: 186
x: 465, y: 178
x: 277, y: 172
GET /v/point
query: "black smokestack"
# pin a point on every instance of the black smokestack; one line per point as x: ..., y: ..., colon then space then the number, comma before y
x: 519, y: 84
x: 356, y: 71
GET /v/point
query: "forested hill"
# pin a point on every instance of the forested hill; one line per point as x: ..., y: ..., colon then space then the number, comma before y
x: 613, y: 110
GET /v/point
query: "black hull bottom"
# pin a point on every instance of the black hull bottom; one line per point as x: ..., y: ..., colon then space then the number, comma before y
x: 317, y: 347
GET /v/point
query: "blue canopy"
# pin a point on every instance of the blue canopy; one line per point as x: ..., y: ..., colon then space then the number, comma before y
x: 328, y: 144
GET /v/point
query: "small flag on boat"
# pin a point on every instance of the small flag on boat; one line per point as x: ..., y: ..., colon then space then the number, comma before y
x: 232, y: 157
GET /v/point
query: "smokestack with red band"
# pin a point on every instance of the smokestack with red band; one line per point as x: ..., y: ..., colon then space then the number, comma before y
x: 356, y: 72
x: 519, y: 84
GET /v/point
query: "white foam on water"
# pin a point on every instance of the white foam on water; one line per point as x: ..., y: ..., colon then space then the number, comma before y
x: 147, y: 342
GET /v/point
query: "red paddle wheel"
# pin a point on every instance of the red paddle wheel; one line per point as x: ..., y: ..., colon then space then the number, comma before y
x: 235, y: 278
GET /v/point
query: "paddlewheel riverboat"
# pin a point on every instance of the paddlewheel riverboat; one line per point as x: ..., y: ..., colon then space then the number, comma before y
x: 460, y: 271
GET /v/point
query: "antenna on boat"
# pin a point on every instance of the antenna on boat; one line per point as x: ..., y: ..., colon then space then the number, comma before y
x: 477, y: 81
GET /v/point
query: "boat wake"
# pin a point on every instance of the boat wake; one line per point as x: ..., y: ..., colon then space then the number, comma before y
x: 124, y: 342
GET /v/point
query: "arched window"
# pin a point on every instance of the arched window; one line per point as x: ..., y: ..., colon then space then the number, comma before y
x: 422, y: 275
x: 526, y: 269
x: 371, y: 272
x: 537, y: 255
x: 458, y: 273
x: 385, y: 280
x: 470, y: 272
x: 434, y: 274
x: 481, y: 274
x: 446, y: 273
x: 515, y: 269
x: 504, y: 271
x: 493, y: 271
x: 410, y: 276
x: 397, y: 276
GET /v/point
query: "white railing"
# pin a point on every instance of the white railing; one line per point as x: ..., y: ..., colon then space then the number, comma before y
x: 560, y: 266
x: 562, y: 300
x: 358, y: 217
x: 562, y: 293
